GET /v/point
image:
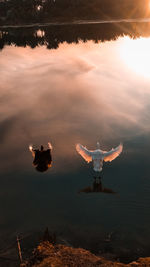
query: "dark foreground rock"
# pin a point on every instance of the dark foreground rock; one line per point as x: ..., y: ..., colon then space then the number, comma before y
x: 48, y: 255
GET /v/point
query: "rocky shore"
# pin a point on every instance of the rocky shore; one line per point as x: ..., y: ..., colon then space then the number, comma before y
x: 49, y: 255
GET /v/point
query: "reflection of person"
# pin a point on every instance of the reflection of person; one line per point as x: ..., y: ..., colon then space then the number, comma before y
x: 42, y: 158
x: 97, y: 156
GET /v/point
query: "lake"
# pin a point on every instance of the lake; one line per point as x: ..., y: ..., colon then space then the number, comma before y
x: 71, y: 84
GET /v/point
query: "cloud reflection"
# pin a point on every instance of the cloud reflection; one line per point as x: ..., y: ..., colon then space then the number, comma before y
x: 77, y: 93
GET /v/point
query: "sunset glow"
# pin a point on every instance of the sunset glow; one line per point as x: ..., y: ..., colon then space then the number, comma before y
x: 149, y: 6
x: 136, y: 54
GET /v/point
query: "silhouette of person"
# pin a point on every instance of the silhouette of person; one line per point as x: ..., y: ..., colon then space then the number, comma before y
x: 42, y: 158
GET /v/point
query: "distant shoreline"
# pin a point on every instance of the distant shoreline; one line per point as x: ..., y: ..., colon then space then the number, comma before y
x: 76, y: 22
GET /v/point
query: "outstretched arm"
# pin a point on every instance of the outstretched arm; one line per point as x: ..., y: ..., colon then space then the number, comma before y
x: 113, y: 153
x: 84, y: 152
x: 32, y: 151
x: 50, y: 145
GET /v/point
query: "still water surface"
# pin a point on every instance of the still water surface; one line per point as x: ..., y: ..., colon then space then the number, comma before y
x: 84, y: 93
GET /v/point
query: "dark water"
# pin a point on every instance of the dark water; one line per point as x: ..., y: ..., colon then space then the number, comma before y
x: 85, y: 92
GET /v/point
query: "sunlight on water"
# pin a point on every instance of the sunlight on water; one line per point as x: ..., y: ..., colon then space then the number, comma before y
x: 136, y: 54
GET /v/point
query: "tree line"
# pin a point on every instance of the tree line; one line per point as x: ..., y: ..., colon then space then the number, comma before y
x: 33, y: 11
x: 53, y: 36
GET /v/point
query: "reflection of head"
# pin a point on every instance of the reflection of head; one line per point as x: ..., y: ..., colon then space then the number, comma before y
x: 42, y: 167
x: 98, y: 145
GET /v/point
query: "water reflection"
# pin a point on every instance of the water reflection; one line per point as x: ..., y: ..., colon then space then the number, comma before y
x: 53, y: 36
x: 75, y: 94
x: 42, y: 158
x: 97, y: 187
x: 79, y: 90
x: 137, y: 55
x: 97, y: 156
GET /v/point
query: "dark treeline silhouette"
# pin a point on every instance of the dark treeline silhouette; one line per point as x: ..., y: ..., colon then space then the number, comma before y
x: 52, y: 36
x: 30, y: 11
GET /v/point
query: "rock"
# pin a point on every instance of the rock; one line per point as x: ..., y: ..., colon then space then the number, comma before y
x: 48, y: 255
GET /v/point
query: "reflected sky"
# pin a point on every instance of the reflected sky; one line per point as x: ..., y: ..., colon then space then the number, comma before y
x: 136, y: 54
x: 76, y: 94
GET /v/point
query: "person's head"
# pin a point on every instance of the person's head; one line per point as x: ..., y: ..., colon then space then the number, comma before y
x: 42, y: 147
x: 42, y: 167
